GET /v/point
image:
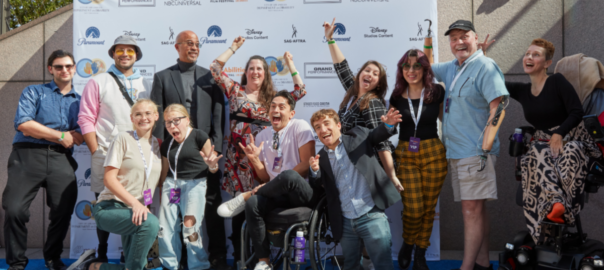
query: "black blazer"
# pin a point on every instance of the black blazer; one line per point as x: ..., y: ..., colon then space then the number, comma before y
x: 359, y: 143
x: 167, y: 89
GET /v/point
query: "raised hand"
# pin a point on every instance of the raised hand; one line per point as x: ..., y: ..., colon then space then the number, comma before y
x: 314, y: 163
x: 251, y: 151
x: 289, y: 59
x: 237, y: 43
x: 211, y: 160
x: 485, y: 45
x: 329, y: 28
x: 392, y: 117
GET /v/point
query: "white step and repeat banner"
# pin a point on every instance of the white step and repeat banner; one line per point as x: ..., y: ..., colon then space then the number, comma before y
x: 379, y: 30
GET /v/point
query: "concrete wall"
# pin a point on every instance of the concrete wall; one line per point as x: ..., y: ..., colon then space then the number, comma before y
x: 572, y: 25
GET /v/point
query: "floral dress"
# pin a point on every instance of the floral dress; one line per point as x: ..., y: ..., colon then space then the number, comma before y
x: 247, y: 119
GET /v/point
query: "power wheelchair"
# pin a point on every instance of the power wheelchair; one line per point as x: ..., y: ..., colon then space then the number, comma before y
x: 282, y: 225
x: 565, y: 250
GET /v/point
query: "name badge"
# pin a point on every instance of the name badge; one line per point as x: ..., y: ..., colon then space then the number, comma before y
x: 277, y: 164
x: 175, y: 195
x: 148, y: 196
x: 414, y: 144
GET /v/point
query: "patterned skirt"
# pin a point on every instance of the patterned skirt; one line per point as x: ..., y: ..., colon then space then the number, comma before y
x: 547, y: 180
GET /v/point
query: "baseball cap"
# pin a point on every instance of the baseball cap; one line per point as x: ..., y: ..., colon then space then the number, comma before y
x: 126, y: 40
x: 462, y: 25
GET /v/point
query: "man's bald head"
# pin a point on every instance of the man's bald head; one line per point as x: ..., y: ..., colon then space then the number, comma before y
x: 187, y: 45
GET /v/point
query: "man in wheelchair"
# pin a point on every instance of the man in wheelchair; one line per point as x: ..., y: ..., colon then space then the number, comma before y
x: 279, y: 157
x: 357, y: 188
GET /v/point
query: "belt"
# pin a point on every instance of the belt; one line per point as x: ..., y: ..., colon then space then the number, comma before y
x: 52, y: 147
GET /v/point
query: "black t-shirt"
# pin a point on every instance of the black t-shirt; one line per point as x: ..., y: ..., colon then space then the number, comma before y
x: 557, y: 105
x: 427, y: 127
x: 190, y: 163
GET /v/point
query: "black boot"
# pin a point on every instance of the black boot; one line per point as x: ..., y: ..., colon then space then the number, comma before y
x: 420, y: 259
x: 404, y: 256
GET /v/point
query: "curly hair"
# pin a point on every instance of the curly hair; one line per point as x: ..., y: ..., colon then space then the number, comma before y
x: 432, y: 93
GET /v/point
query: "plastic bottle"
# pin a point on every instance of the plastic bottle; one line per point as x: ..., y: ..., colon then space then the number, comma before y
x: 299, y: 246
x: 518, y: 135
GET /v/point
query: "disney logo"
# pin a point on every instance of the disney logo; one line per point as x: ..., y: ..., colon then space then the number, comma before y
x: 377, y: 29
x: 253, y: 32
x: 132, y: 34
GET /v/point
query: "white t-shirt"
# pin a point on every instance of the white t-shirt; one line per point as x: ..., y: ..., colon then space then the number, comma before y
x: 296, y: 134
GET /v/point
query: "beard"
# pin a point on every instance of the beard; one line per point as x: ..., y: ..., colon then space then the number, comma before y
x: 124, y: 67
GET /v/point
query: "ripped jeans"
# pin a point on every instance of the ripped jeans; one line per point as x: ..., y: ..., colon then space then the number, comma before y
x: 171, y: 215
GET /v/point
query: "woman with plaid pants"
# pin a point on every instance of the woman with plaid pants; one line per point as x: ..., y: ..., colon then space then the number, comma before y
x: 420, y: 155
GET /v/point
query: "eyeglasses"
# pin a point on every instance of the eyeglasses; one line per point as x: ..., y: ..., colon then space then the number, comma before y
x: 60, y: 67
x: 129, y: 52
x: 416, y: 66
x: 175, y: 121
x: 276, y: 141
x: 191, y: 44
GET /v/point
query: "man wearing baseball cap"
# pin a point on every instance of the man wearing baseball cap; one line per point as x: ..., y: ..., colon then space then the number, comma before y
x: 475, y: 90
x: 105, y: 111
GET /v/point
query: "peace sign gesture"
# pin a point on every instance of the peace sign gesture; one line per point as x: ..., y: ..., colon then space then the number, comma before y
x: 251, y: 150
x: 329, y: 28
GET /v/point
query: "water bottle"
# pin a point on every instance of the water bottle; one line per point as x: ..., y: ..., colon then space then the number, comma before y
x: 518, y: 135
x: 299, y: 246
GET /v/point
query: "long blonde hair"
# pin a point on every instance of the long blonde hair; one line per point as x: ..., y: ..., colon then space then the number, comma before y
x: 180, y: 109
x: 139, y: 102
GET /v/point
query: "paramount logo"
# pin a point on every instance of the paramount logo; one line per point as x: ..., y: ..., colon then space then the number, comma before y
x: 83, y: 41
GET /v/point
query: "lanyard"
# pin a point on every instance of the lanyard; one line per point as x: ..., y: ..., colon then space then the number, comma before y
x: 419, y: 109
x: 279, y: 151
x: 467, y: 63
x: 147, y: 169
x: 174, y: 172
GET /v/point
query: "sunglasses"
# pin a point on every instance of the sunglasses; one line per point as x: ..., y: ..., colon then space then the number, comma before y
x: 191, y: 44
x: 175, y: 121
x: 416, y: 66
x: 129, y: 52
x: 60, y: 67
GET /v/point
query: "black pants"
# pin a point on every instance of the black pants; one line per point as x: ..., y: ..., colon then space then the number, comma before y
x: 29, y: 169
x: 103, y: 237
x: 214, y: 222
x: 287, y: 190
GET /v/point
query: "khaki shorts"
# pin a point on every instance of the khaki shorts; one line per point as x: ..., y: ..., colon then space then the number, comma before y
x: 97, y: 171
x: 468, y: 183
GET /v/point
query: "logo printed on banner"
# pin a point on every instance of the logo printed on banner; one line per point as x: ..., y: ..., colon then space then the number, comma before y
x: 136, y: 36
x: 170, y: 40
x: 275, y: 6
x: 91, y: 33
x: 234, y: 72
x: 86, y: 2
x: 420, y: 35
x: 176, y: 3
x: 213, y: 32
x: 91, y: 9
x: 276, y: 65
x: 254, y: 34
x: 319, y: 70
x: 294, y: 38
x: 340, y: 30
x: 147, y: 71
x: 316, y: 104
x: 136, y: 3
x: 322, y: 1
x: 377, y: 32
x: 87, y: 68
x: 83, y: 210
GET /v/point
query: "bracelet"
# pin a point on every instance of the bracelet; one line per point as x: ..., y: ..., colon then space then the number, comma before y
x: 214, y: 168
x: 294, y: 74
x: 62, y: 137
x: 390, y: 126
x: 331, y: 41
x: 427, y: 47
x: 232, y: 50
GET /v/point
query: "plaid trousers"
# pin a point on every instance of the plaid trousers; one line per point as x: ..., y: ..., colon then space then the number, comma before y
x: 422, y: 174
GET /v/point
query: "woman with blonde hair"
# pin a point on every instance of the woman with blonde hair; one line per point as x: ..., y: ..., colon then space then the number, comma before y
x: 187, y: 159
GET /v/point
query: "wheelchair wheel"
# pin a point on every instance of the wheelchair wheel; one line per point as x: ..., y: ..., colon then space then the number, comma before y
x: 322, y: 245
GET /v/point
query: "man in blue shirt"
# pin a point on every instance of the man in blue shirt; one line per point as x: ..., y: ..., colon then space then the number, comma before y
x: 474, y: 87
x: 47, y: 129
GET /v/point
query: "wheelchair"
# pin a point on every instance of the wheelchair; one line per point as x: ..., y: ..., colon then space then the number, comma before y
x: 282, y: 225
x: 565, y: 249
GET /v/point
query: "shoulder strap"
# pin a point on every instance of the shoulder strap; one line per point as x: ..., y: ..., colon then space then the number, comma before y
x: 122, y: 88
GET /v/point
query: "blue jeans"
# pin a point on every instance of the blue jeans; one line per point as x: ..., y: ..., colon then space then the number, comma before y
x: 373, y: 229
x: 192, y: 203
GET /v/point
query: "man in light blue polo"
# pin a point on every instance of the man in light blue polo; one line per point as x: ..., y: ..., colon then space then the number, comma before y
x: 474, y: 86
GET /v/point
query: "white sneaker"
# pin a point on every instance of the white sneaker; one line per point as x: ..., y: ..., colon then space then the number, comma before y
x: 86, y: 256
x: 232, y: 207
x: 262, y: 265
